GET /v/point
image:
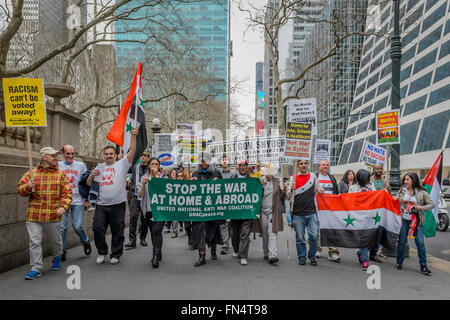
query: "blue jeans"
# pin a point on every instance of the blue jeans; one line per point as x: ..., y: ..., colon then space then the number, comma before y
x: 77, y: 224
x: 311, y: 223
x: 420, y: 244
x: 364, y: 254
x: 287, y: 204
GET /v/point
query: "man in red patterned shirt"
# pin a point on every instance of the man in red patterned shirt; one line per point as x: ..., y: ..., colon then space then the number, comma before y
x: 49, y: 198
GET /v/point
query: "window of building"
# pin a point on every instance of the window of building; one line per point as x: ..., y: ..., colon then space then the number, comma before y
x: 411, y: 36
x: 372, y: 80
x: 372, y: 139
x: 363, y: 74
x: 447, y: 27
x: 360, y: 89
x: 380, y: 104
x: 356, y: 151
x: 376, y: 64
x: 362, y: 127
x: 384, y: 87
x: 432, y: 133
x: 439, y: 95
x: 351, y: 132
x: 415, y: 105
x: 365, y: 112
x: 405, y: 73
x: 431, y: 3
x: 434, y: 17
x: 420, y: 83
x: 369, y: 96
x: 345, y: 152
x: 412, y: 17
x: 445, y: 49
x: 386, y: 70
x: 407, y: 55
x: 424, y: 62
x: 409, y: 133
x: 442, y: 72
x: 427, y: 41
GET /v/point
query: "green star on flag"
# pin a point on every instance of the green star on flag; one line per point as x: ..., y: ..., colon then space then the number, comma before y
x: 349, y: 221
x: 377, y: 218
x: 129, y: 127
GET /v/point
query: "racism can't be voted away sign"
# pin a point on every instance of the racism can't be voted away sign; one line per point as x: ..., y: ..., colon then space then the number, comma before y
x: 24, y: 102
x: 188, y: 200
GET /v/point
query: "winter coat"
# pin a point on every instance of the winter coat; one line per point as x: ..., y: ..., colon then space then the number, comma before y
x: 278, y: 207
x: 423, y: 199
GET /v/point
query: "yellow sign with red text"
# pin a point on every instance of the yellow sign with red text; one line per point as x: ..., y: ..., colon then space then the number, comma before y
x: 388, y: 127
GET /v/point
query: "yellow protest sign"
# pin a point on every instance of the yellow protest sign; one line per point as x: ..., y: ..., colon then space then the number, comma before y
x: 24, y: 102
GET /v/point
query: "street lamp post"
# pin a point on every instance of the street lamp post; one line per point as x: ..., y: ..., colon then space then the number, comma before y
x: 396, y: 54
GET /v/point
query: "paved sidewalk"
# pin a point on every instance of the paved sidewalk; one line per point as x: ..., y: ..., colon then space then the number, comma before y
x: 134, y: 278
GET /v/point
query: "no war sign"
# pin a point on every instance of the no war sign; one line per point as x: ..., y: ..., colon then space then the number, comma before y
x: 24, y: 102
x: 191, y: 200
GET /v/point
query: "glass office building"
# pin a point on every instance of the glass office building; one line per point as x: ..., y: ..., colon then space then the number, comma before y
x: 207, y: 21
x: 425, y: 87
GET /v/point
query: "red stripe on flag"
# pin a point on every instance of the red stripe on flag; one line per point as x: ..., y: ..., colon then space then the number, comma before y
x: 358, y: 201
x: 116, y: 132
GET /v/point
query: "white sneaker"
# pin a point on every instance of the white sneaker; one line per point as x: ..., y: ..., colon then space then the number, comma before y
x: 318, y: 254
x: 100, y: 259
x: 243, y: 262
x: 114, y: 260
x: 235, y: 255
x: 334, y: 257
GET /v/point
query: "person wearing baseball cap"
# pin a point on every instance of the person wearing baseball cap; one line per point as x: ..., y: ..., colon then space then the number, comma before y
x: 205, y: 232
x: 49, y: 196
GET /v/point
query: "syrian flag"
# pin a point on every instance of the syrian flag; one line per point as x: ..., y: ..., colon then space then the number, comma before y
x: 120, y: 132
x: 359, y: 220
x: 432, y: 184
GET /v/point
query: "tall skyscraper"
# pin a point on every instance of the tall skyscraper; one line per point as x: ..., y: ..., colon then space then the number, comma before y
x: 259, y: 98
x: 334, y: 78
x: 206, y: 23
x: 425, y: 87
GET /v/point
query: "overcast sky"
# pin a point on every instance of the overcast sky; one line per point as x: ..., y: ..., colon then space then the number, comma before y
x: 248, y: 49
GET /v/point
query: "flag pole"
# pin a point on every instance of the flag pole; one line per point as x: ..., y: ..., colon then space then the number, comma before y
x: 387, y: 163
x: 137, y: 100
x: 120, y: 108
x: 293, y: 191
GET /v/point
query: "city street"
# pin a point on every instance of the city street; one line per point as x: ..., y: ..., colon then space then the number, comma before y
x: 133, y: 277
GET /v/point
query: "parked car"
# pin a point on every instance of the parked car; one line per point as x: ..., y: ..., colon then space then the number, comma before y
x: 446, y: 188
x: 443, y: 222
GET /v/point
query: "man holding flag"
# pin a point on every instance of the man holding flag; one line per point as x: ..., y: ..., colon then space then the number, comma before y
x: 112, y: 196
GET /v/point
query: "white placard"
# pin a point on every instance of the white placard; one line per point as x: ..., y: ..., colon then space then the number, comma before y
x: 303, y: 110
x: 373, y: 154
x: 322, y: 150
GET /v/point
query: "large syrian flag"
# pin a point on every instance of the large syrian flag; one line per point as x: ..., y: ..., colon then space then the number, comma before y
x: 359, y: 220
x: 432, y: 184
x: 120, y: 132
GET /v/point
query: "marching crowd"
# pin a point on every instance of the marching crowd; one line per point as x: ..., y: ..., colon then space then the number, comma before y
x: 57, y: 189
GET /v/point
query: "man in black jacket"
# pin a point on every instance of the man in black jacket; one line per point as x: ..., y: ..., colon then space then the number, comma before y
x: 205, y: 232
x: 328, y: 183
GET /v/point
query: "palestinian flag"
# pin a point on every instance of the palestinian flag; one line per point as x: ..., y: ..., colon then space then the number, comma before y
x: 120, y: 132
x: 359, y: 220
x: 432, y: 184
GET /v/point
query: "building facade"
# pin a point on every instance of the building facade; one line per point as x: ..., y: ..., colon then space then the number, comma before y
x: 425, y: 87
x: 259, y: 98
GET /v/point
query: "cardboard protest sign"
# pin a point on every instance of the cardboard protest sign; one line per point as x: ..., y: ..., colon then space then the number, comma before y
x: 298, y: 140
x: 322, y: 150
x: 373, y: 154
x: 388, y: 128
x: 303, y: 110
x: 24, y: 102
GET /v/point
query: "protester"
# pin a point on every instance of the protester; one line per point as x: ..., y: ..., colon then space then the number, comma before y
x: 173, y: 225
x: 414, y: 201
x: 256, y: 171
x: 224, y: 225
x: 304, y: 216
x: 362, y: 185
x: 241, y: 228
x: 111, y: 203
x: 136, y: 213
x: 287, y: 200
x: 74, y: 170
x: 155, y: 227
x: 272, y: 208
x: 205, y: 232
x: 378, y: 181
x: 181, y: 169
x: 328, y: 183
x: 187, y: 224
x: 347, y: 181
x: 49, y: 194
